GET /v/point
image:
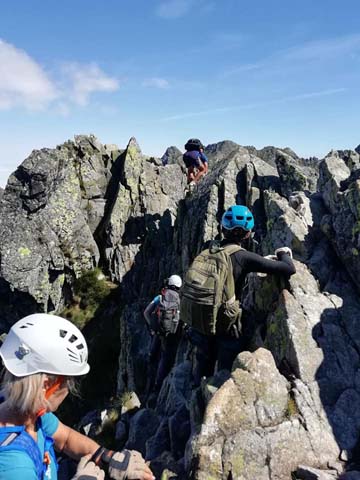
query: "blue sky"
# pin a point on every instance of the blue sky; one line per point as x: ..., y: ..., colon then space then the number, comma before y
x: 266, y: 72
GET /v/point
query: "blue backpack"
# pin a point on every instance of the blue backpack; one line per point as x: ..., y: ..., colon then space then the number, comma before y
x: 17, y: 438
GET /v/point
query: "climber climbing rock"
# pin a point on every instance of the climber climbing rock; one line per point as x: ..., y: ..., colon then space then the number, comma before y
x: 195, y: 160
x: 218, y: 330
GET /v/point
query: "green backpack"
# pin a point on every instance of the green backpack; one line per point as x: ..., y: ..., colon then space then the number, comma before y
x: 208, y: 300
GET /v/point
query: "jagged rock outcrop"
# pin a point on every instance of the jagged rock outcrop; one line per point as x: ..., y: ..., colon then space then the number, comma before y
x: 45, y: 236
x: 171, y: 156
x: 342, y: 199
x: 287, y: 406
x: 220, y: 151
x: 269, y: 154
x: 295, y: 173
x: 141, y: 221
x: 64, y: 208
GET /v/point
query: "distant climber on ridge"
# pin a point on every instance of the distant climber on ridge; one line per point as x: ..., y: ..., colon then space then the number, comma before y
x: 212, y: 291
x: 162, y: 316
x: 195, y: 160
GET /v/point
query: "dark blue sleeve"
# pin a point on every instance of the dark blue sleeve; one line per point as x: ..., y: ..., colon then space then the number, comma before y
x: 204, y: 157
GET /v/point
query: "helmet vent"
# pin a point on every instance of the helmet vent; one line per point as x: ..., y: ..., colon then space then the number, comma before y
x: 239, y: 217
x: 27, y: 325
x: 73, y: 339
x: 74, y: 357
x: 80, y: 346
x: 63, y: 333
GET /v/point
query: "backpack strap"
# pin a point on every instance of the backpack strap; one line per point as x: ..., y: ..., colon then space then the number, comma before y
x: 18, y: 439
x: 49, y: 452
x: 21, y: 441
x: 229, y: 250
x: 232, y: 248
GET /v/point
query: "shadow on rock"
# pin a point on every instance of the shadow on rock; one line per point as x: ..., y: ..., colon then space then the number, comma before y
x: 338, y: 376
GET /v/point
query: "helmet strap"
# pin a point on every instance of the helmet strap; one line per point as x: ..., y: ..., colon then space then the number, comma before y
x: 54, y: 387
x: 50, y: 391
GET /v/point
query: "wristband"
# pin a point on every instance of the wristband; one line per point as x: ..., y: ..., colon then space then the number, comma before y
x: 102, y: 457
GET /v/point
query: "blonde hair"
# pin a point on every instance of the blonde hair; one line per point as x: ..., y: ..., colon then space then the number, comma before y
x: 26, y: 395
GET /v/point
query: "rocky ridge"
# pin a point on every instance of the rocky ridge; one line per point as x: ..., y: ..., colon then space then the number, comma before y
x: 287, y: 407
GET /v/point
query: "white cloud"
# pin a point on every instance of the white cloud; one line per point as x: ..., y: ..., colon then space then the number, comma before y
x: 85, y: 79
x: 156, y: 82
x: 251, y: 106
x: 322, y: 93
x: 246, y: 67
x: 23, y: 82
x: 323, y: 49
x: 300, y: 55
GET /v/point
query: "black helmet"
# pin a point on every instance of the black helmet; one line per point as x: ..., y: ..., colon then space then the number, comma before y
x: 193, y: 144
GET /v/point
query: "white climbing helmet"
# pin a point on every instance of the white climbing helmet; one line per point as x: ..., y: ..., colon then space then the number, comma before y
x: 175, y: 281
x: 45, y: 343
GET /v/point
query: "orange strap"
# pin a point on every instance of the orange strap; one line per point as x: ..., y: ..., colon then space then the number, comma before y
x: 47, y: 458
x: 55, y: 387
x: 49, y: 391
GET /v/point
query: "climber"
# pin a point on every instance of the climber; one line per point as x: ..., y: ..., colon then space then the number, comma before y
x: 195, y: 160
x: 42, y: 354
x: 216, y: 329
x: 162, y: 318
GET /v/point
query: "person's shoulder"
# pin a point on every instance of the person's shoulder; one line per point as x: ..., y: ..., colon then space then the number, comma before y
x: 157, y: 300
x: 244, y: 255
x: 49, y: 423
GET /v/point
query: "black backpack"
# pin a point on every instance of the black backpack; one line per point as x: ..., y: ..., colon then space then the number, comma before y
x: 193, y: 144
x: 168, y: 312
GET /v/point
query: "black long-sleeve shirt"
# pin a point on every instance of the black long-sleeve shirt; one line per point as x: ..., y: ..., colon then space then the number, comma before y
x: 245, y: 262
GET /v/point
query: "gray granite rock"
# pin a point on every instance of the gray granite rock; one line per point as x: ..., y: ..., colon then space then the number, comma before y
x: 286, y: 404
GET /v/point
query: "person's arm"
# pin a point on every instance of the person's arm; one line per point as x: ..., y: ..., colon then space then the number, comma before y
x: 73, y: 443
x: 147, y: 313
x: 122, y: 465
x: 252, y: 262
x: 203, y: 157
x: 150, y: 309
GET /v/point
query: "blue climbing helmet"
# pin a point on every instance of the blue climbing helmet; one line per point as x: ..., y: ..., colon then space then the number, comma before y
x: 238, y: 216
